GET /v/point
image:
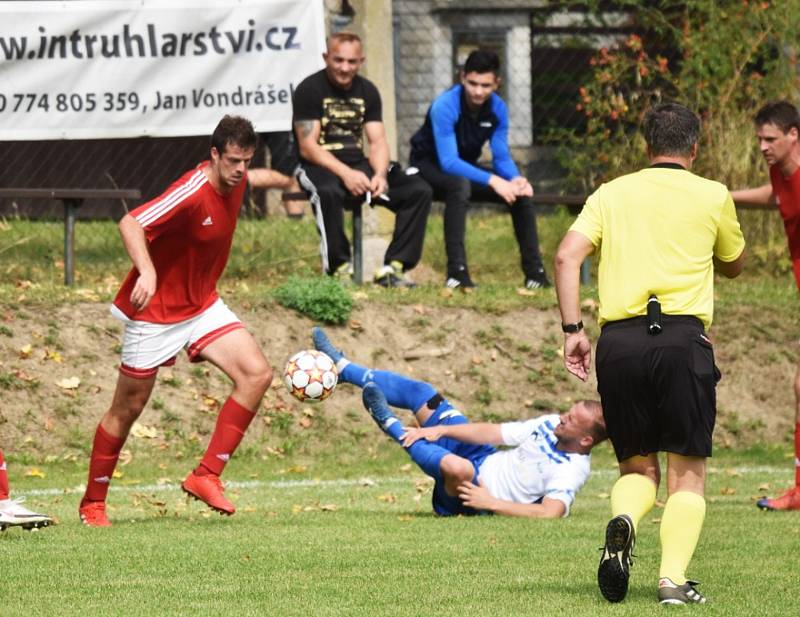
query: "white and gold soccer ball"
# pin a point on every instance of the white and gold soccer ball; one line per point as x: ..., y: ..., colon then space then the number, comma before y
x: 310, y: 375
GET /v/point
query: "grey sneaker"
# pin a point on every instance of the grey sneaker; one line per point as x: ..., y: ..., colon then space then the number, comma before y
x: 670, y: 593
x: 615, y: 564
x: 391, y: 275
x: 344, y: 274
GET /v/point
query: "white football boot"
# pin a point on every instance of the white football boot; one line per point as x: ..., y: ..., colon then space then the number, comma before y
x: 12, y: 513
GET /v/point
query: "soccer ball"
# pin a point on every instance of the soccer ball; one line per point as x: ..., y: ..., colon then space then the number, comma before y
x: 310, y: 375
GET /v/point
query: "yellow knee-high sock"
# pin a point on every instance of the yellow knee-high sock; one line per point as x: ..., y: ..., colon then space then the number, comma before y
x: 633, y: 494
x: 680, y: 529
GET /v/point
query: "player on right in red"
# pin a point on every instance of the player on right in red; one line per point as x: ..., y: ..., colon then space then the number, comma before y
x: 777, y: 129
x: 179, y: 244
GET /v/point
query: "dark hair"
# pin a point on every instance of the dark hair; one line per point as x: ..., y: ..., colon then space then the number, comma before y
x: 782, y: 114
x: 482, y: 61
x: 234, y: 130
x: 671, y: 129
x: 598, y: 428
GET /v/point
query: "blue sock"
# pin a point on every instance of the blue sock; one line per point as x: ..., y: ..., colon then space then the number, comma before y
x: 399, y: 391
x: 428, y: 457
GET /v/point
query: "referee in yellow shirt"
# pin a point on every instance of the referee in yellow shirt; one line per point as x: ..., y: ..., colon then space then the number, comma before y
x: 661, y: 232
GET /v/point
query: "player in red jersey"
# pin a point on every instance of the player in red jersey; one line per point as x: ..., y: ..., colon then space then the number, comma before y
x: 778, y: 129
x: 179, y: 244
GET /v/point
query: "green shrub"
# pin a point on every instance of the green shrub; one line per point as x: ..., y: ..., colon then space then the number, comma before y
x: 322, y: 299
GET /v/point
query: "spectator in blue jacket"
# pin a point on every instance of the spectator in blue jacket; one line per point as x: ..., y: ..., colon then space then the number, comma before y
x: 446, y: 150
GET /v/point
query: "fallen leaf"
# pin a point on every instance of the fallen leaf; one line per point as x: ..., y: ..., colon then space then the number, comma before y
x: 305, y: 422
x: 52, y: 355
x: 765, y: 487
x: 404, y: 518
x: 522, y: 291
x: 297, y: 469
x: 69, y: 383
x: 355, y: 324
x: 388, y: 498
x: 117, y: 474
x: 446, y: 292
x: 727, y: 490
x: 142, y: 431
x: 406, y: 467
x: 366, y: 482
x: 25, y: 351
x: 328, y: 507
x: 419, y: 309
x: 34, y: 472
x: 603, y: 495
x: 476, y: 360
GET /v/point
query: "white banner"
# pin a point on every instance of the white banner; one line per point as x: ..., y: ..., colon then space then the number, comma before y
x: 91, y: 69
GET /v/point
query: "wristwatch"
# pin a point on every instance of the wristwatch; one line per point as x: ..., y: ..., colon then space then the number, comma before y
x: 572, y: 328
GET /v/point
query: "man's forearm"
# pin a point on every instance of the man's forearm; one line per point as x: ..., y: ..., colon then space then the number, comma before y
x: 135, y: 241
x: 475, y: 433
x: 527, y: 510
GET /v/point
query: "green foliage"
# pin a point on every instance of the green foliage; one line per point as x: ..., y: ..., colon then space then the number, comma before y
x: 721, y: 59
x: 322, y: 299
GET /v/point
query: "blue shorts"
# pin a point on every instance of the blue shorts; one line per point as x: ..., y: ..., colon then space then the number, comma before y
x: 444, y: 504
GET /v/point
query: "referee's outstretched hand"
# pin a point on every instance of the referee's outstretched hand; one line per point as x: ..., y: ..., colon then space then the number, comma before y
x: 578, y: 354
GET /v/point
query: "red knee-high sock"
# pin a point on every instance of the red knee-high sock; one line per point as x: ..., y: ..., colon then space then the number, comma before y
x: 232, y: 422
x: 105, y: 454
x: 3, y: 478
x: 797, y: 455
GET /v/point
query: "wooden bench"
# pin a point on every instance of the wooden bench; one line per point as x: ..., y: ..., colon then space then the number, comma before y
x: 72, y: 200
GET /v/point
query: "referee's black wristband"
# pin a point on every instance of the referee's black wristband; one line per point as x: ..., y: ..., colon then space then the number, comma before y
x: 571, y: 328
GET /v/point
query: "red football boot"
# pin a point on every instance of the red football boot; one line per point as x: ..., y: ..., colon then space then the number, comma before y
x: 790, y: 500
x: 93, y: 514
x: 209, y: 490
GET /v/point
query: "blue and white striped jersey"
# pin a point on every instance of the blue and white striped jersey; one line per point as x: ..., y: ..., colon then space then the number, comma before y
x: 535, y: 468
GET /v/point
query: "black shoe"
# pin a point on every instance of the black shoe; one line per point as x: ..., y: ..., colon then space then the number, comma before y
x: 458, y: 278
x: 538, y: 281
x: 670, y: 593
x: 615, y: 564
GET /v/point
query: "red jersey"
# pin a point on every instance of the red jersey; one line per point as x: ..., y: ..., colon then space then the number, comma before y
x: 787, y: 192
x: 189, y: 230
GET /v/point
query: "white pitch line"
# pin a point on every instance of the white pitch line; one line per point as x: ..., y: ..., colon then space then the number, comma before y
x: 236, y: 484
x: 365, y: 482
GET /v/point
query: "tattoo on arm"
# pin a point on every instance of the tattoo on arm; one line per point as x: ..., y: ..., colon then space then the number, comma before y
x: 305, y: 126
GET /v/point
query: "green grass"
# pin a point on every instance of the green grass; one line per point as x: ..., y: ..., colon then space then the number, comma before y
x: 266, y: 252
x: 321, y: 541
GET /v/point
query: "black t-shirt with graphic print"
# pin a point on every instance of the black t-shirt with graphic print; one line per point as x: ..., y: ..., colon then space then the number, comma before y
x: 342, y: 113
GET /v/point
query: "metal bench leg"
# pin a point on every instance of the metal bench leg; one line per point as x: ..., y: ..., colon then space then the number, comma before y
x: 358, y: 245
x: 586, y: 266
x: 70, y: 207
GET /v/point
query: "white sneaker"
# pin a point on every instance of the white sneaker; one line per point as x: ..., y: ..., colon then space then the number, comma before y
x: 13, y: 513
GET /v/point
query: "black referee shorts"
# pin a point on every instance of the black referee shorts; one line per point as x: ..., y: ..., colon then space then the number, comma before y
x: 658, y: 392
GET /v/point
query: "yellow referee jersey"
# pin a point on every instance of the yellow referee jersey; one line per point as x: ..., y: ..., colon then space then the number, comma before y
x: 657, y: 230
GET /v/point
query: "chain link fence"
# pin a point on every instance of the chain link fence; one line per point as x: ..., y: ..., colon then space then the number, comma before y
x: 547, y: 50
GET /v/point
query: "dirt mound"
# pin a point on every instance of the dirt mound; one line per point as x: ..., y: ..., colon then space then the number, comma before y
x: 58, y: 369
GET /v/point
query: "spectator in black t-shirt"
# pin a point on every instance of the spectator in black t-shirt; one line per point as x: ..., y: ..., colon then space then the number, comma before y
x: 333, y: 109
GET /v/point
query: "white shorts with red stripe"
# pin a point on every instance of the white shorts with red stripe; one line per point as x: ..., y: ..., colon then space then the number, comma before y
x: 146, y: 346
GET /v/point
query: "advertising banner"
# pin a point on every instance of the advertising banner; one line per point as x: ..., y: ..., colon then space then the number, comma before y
x: 92, y: 69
